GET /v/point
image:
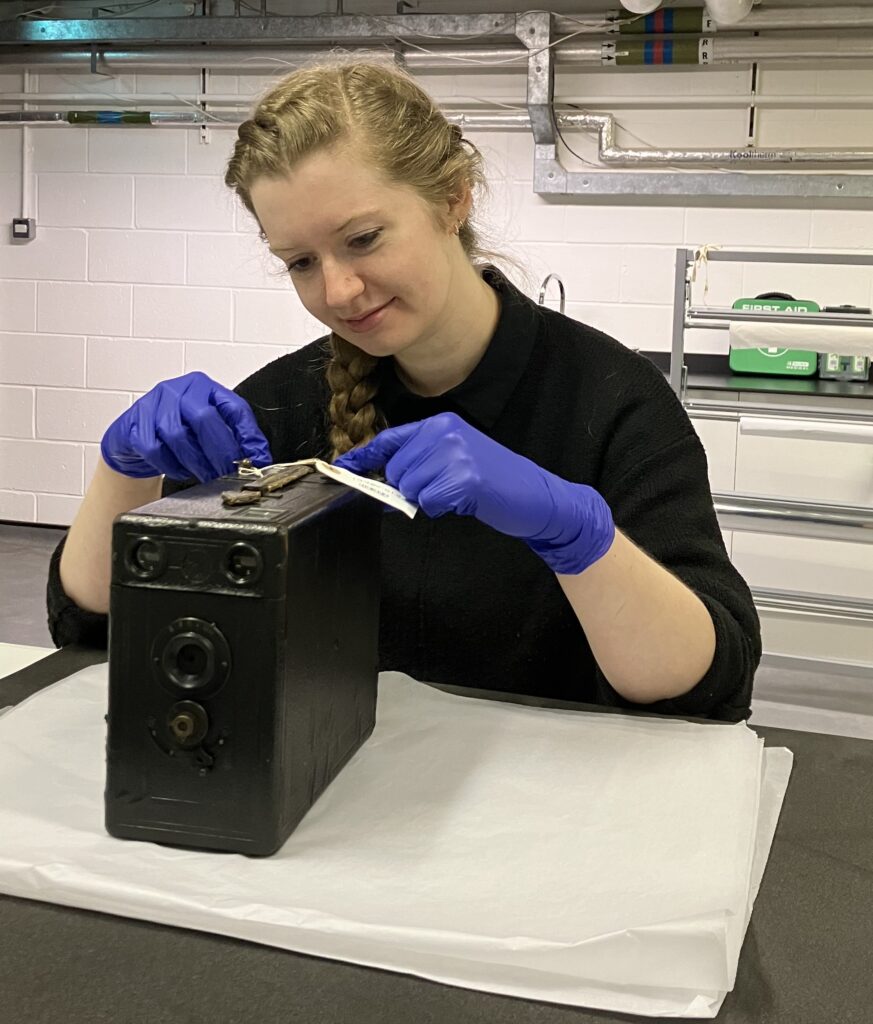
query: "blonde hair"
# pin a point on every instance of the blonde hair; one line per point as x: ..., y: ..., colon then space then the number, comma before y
x: 396, y: 126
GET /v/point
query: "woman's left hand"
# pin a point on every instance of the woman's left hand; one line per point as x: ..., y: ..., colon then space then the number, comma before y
x: 445, y: 465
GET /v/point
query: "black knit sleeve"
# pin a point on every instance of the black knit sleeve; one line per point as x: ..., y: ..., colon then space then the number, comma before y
x: 663, y: 503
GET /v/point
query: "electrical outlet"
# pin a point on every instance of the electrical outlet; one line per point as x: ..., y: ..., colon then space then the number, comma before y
x: 23, y: 229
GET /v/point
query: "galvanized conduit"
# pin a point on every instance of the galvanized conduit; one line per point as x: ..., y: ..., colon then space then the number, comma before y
x: 609, y: 153
x: 604, y: 124
x: 606, y: 51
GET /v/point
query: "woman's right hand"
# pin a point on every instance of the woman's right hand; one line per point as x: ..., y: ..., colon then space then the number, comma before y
x: 186, y: 427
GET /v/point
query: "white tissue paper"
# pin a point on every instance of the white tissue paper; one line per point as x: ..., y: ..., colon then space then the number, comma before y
x: 846, y: 341
x: 589, y: 859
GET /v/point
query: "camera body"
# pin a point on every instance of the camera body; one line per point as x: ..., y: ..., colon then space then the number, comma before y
x: 243, y: 661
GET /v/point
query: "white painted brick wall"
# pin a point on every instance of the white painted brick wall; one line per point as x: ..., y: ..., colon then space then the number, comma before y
x: 16, y: 412
x: 138, y: 257
x: 146, y: 266
x: 63, y: 415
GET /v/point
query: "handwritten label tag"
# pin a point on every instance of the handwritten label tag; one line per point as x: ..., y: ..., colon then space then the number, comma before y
x: 375, y: 488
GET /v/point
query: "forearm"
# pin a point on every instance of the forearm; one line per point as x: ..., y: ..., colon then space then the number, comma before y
x: 652, y: 637
x: 86, y: 562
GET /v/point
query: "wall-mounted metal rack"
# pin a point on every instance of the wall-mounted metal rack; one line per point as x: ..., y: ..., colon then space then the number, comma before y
x: 765, y: 514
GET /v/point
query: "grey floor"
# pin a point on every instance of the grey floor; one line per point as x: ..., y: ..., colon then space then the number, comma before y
x: 24, y: 559
x: 806, y: 696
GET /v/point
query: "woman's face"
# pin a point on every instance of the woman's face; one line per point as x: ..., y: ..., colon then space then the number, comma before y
x: 359, y: 247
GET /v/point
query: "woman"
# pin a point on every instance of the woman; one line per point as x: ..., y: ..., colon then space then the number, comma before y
x: 568, y: 546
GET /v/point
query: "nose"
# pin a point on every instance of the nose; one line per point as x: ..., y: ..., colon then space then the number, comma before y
x: 341, y: 286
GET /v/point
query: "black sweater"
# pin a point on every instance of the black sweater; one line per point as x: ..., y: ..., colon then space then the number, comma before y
x: 464, y: 604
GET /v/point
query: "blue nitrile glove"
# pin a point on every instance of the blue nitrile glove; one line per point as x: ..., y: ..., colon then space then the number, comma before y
x: 186, y: 427
x: 445, y: 465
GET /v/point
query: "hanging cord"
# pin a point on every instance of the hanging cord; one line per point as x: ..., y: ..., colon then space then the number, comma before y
x: 701, y: 262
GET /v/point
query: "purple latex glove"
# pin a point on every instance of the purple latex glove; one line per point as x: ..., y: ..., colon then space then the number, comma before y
x: 445, y: 465
x: 186, y: 427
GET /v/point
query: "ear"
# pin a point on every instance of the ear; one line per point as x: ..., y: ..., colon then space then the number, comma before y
x: 459, y: 209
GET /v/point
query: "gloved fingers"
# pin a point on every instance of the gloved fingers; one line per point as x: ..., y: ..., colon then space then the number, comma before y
x: 178, y: 438
x: 143, y: 439
x: 379, y: 451
x: 237, y: 414
x: 206, y: 433
x: 440, y: 496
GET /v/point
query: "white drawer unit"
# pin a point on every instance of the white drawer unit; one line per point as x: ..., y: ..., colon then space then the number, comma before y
x: 792, y: 480
x: 813, y: 459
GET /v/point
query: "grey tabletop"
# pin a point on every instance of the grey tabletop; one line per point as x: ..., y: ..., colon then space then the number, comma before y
x: 807, y: 956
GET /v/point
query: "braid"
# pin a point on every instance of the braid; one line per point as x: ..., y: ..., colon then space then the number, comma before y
x: 351, y: 375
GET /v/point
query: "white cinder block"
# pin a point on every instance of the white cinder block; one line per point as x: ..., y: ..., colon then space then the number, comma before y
x: 57, y: 509
x: 520, y: 155
x: 86, y: 200
x: 536, y: 219
x: 18, y: 506
x: 243, y: 221
x: 624, y: 225
x: 56, y: 360
x: 211, y: 157
x: 92, y: 457
x: 648, y: 328
x: 199, y: 314
x: 10, y: 195
x: 56, y: 254
x: 748, y: 227
x: 589, y: 273
x: 842, y: 229
x: 132, y: 364
x: 63, y: 415
x: 234, y: 261
x: 228, y: 364
x: 717, y: 284
x: 647, y: 274
x: 17, y: 305
x: 140, y: 257
x: 16, y: 412
x: 41, y: 466
x: 83, y: 308
x: 10, y: 151
x: 81, y: 80
x: 137, y: 151
x: 59, y: 150
x: 272, y: 318
x: 826, y: 285
x: 184, y: 204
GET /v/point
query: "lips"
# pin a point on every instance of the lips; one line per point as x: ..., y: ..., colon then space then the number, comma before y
x: 363, y: 316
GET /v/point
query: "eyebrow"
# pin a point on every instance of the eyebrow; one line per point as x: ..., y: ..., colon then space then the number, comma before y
x: 336, y: 231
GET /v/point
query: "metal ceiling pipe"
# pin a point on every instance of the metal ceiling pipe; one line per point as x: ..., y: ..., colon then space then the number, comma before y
x: 720, y: 49
x: 604, y: 124
x: 684, y: 102
x: 608, y: 152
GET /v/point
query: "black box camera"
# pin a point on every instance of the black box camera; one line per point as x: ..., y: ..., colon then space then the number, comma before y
x: 243, y: 659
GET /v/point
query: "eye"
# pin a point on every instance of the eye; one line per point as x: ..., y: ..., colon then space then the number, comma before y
x: 361, y: 242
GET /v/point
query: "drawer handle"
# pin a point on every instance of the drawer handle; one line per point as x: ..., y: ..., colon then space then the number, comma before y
x: 755, y: 426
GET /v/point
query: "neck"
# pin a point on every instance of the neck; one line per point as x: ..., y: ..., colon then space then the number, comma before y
x: 441, y: 362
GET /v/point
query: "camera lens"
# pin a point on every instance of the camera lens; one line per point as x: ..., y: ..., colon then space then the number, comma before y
x: 146, y: 558
x: 243, y: 563
x: 191, y: 656
x: 189, y: 661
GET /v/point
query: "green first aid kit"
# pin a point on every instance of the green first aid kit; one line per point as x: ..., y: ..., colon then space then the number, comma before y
x: 775, y: 362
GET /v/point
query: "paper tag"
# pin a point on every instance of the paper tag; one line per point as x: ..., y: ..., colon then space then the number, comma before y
x: 375, y: 488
